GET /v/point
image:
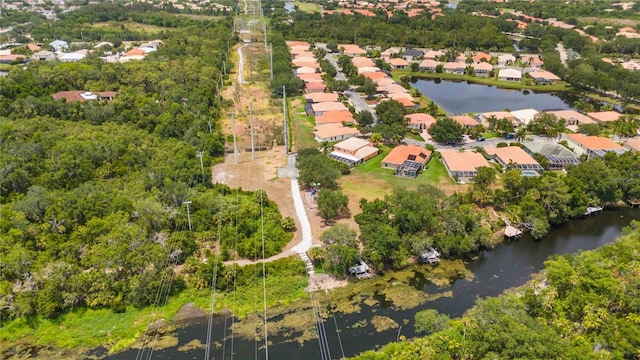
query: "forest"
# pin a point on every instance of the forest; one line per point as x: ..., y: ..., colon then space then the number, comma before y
x: 586, y: 307
x: 455, y: 29
x: 92, y: 206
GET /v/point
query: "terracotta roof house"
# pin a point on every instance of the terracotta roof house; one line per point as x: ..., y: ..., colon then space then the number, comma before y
x: 398, y: 63
x: 544, y: 77
x: 44, y: 55
x: 462, y: 166
x: 481, y: 56
x: 352, y: 50
x: 454, y: 67
x: 401, y: 153
x: 525, y: 116
x: 407, y: 160
x: 429, y: 65
x: 559, y: 156
x: 420, y: 121
x: 484, y: 117
x: 627, y: 29
x: 375, y: 75
x: 482, y: 68
x: 316, y: 77
x: 34, y: 47
x: 506, y: 59
x: 333, y: 117
x: 299, y: 53
x: 604, y: 116
x: 298, y: 43
x: 632, y: 144
x: 433, y: 54
x: 361, y: 61
x: 321, y: 97
x: 313, y: 65
x: 386, y: 81
x: 391, y: 89
x: 353, y: 151
x: 314, y: 87
x: 406, y: 102
x: 306, y: 70
x: 465, y: 120
x: 388, y: 53
x: 303, y: 60
x: 461, y: 58
x: 509, y: 75
x: 318, y: 109
x: 81, y: 95
x: 516, y: 156
x: 572, y: 117
x: 593, y: 146
x: 367, y: 69
x: 136, y: 51
x: 334, y: 132
x: 7, y: 59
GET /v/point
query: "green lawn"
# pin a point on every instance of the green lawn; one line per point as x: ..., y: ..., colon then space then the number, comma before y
x: 130, y: 25
x: 302, y: 126
x: 490, y: 134
x: 412, y: 136
x: 306, y: 7
x: 434, y: 174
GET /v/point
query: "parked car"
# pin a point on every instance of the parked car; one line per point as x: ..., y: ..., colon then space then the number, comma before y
x: 511, y: 136
x: 481, y: 139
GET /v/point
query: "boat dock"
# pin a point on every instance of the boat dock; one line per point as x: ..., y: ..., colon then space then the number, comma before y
x: 431, y: 256
x: 592, y: 210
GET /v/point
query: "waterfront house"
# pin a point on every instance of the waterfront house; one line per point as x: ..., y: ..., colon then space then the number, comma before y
x: 543, y: 77
x: 572, y: 117
x: 509, y: 75
x: 559, y: 157
x: 514, y: 156
x: 462, y: 165
x: 482, y: 68
x: 454, y: 67
x: 420, y: 121
x: 604, y: 116
x: 398, y: 63
x: 593, y: 146
x: 465, y: 120
x: 428, y: 65
x: 524, y: 116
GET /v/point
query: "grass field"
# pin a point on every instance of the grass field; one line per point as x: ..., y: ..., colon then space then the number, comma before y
x: 302, y: 125
x: 130, y: 25
x: 307, y: 7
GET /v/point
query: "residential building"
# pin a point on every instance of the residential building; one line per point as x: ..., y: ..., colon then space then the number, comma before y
x: 44, y: 55
x: 367, y: 69
x: 332, y: 117
x: 604, y: 116
x: 361, y: 61
x: 353, y: 50
x: 314, y: 87
x: 316, y: 77
x: 82, y: 95
x: 506, y: 59
x: 461, y: 58
x: 398, y: 63
x: 59, y: 45
x: 9, y: 58
x: 428, y: 65
x: 420, y: 121
x: 353, y: 151
x: 632, y: 144
x: 514, y: 156
x: 480, y: 57
x: 321, y: 97
x: 305, y: 70
x: 465, y: 120
x: 433, y: 54
x: 375, y: 75
x: 559, y: 156
x: 572, y: 117
x: 462, y: 165
x: 544, y: 77
x: 592, y: 146
x: 334, y: 132
x: 412, y: 54
x: 482, y: 68
x: 407, y: 160
x: 454, y: 67
x: 510, y: 75
x: 484, y: 117
x: 524, y: 116
x: 318, y: 109
x: 71, y: 57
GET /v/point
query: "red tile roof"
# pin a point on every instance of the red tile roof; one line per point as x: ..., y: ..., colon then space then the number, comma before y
x: 401, y: 153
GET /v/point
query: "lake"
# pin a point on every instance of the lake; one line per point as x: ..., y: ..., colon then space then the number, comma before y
x: 465, y: 97
x: 509, y: 265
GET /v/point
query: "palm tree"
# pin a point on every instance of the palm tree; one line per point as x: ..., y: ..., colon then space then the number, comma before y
x: 325, y: 147
x: 492, y: 120
x: 520, y: 135
x: 375, y: 139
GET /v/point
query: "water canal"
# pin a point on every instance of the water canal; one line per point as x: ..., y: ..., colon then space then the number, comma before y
x: 509, y: 265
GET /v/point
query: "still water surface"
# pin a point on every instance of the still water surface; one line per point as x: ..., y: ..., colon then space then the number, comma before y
x: 464, y: 97
x: 509, y: 265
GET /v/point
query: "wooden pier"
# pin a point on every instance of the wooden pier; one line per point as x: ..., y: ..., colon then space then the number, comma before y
x: 511, y: 232
x: 634, y: 203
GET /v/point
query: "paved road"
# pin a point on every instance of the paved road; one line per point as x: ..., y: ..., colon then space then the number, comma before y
x: 472, y: 144
x: 241, y: 65
x: 563, y: 53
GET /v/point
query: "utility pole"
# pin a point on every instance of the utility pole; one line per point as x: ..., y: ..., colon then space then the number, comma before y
x: 200, y: 154
x: 253, y: 155
x: 224, y: 67
x: 235, y: 145
x: 188, y: 213
x: 271, y: 59
x: 284, y: 110
x: 209, y: 122
x: 218, y: 94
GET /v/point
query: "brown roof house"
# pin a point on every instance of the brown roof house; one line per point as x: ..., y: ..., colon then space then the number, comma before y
x: 353, y: 151
x: 333, y: 117
x: 314, y: 87
x: 514, y: 155
x: 454, y: 67
x: 633, y: 144
x: 321, y: 97
x: 353, y: 50
x: 462, y: 165
x: 509, y: 75
x: 334, y: 132
x: 481, y: 56
x: 420, y: 121
x: 593, y: 146
x: 82, y: 95
x: 604, y: 116
x: 398, y: 63
x: 544, y: 77
x: 429, y: 65
x: 465, y: 120
x: 361, y: 61
x: 485, y: 116
x: 572, y: 117
x: 407, y: 160
x: 482, y: 68
x: 318, y: 109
